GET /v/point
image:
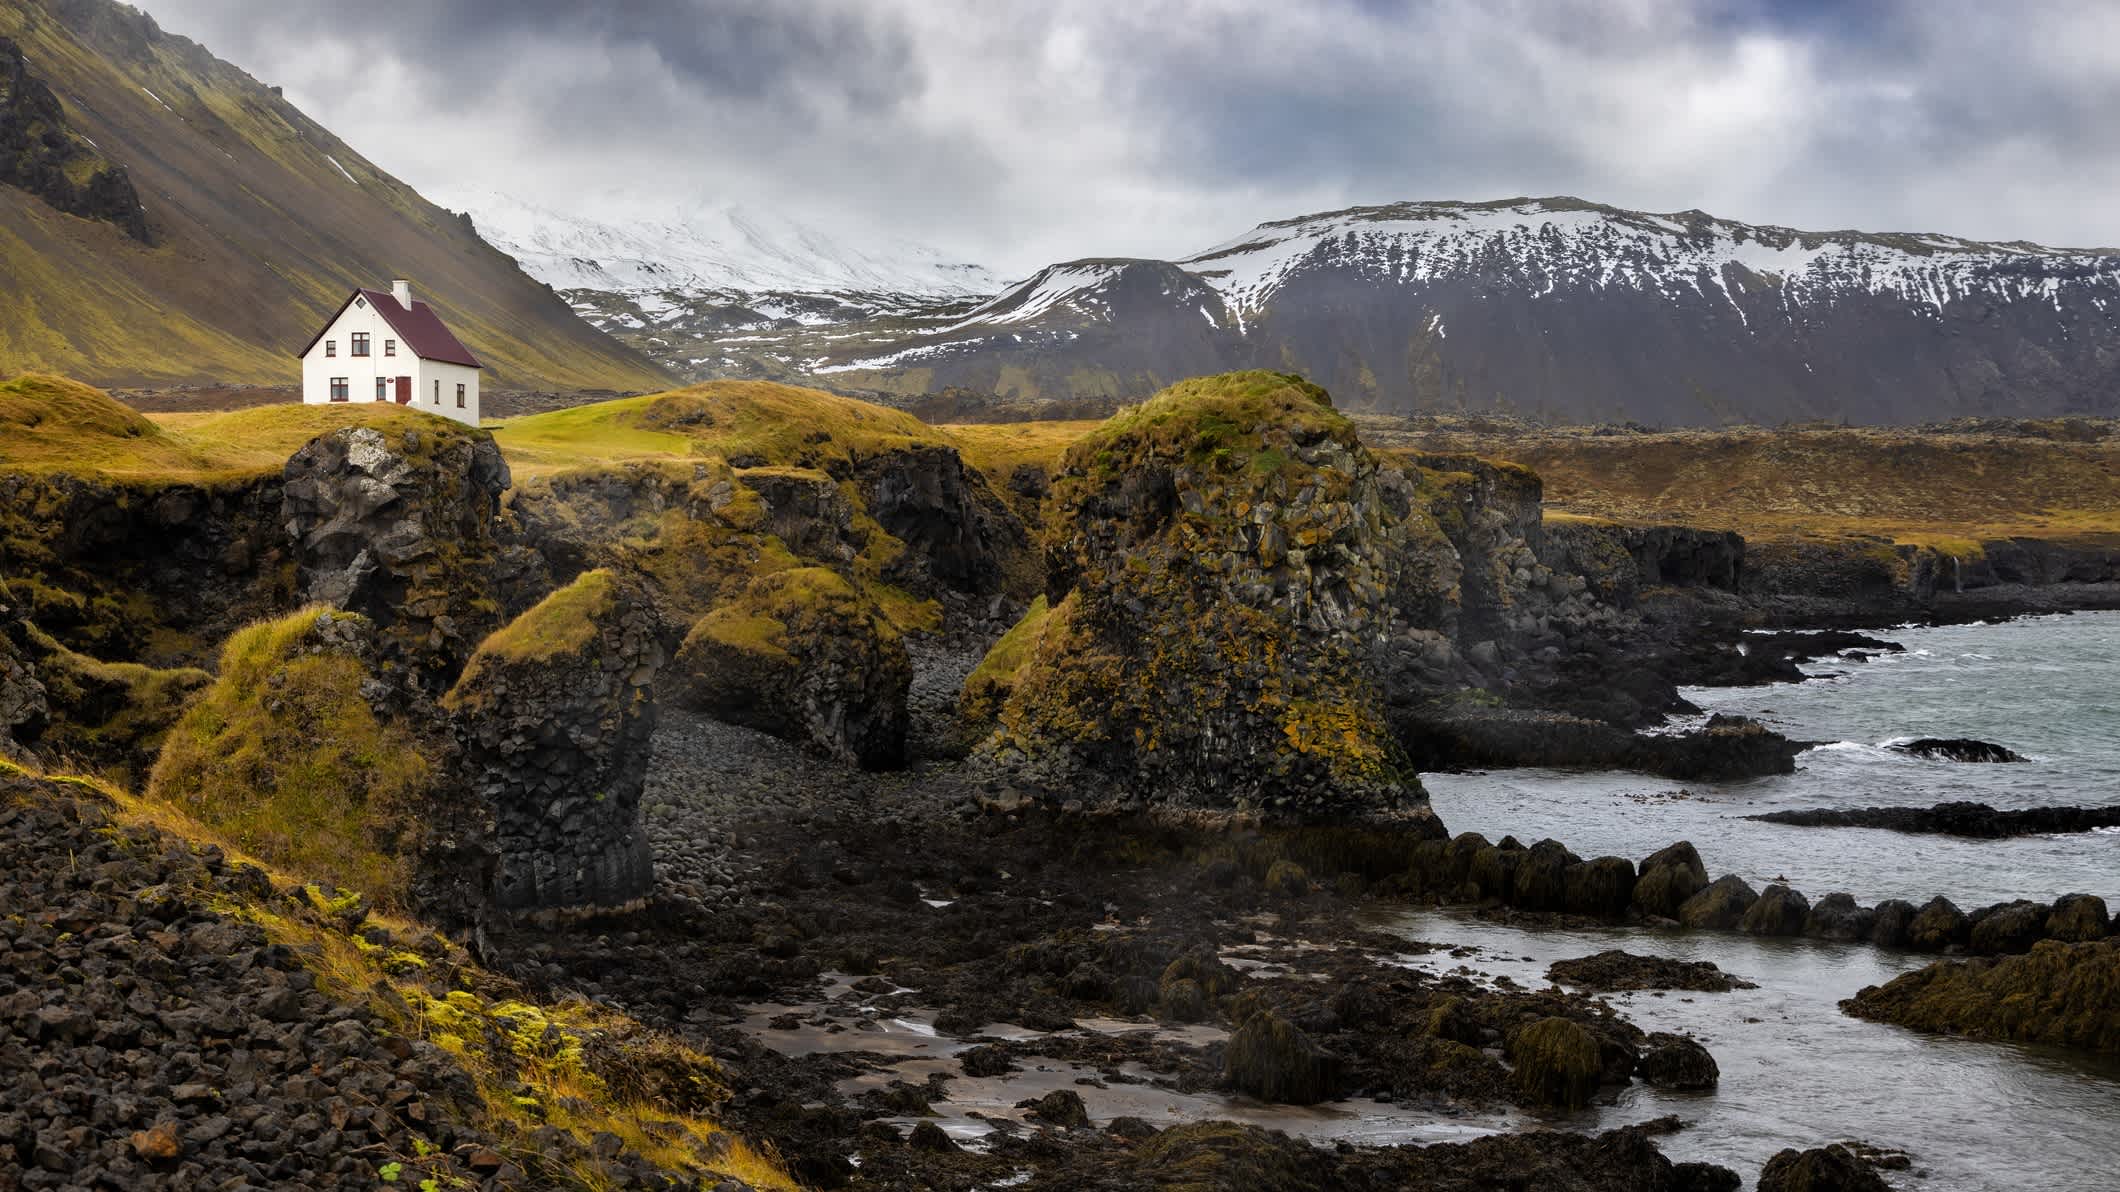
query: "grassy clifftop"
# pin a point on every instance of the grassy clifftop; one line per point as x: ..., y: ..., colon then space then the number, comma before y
x: 261, y: 220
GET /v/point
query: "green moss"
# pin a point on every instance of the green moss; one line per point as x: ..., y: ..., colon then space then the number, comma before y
x: 284, y: 756
x: 988, y: 686
x: 1557, y: 1063
x: 1218, y: 423
x: 561, y: 623
x: 1221, y: 1157
x: 760, y: 621
x: 109, y: 714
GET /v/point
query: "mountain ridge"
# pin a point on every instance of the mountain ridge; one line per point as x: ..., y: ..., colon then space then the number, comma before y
x: 260, y: 220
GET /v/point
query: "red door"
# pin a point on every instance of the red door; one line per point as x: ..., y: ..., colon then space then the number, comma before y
x: 404, y: 393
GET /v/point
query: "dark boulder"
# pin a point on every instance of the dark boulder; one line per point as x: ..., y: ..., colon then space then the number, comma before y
x: 1938, y: 925
x: 1668, y: 878
x: 1824, y: 1169
x: 1956, y: 749
x: 1061, y: 1107
x: 1840, y: 917
x: 1976, y: 820
x: 1722, y: 905
x: 1615, y: 970
x: 2007, y: 927
x: 1541, y: 881
x: 2078, y: 917
x: 1893, y: 926
x: 1778, y: 911
x: 1602, y: 887
x: 1676, y: 1062
x: 1493, y: 871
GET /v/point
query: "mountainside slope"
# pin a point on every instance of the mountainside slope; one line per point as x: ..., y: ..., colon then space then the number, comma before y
x: 1565, y: 311
x: 258, y: 222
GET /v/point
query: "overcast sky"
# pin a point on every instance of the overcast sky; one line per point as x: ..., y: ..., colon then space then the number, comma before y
x: 1015, y: 133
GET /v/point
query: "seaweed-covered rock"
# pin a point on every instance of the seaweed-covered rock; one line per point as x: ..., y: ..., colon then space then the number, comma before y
x: 1492, y: 873
x: 1957, y: 749
x: 1286, y: 879
x: 806, y: 656
x: 1778, y: 911
x: 1061, y: 1107
x: 1220, y: 569
x: 1721, y: 905
x: 2007, y: 927
x: 1541, y: 882
x: 397, y: 525
x: 1602, y: 886
x: 1557, y: 1062
x: 555, y: 714
x: 1676, y: 1062
x: 1938, y: 925
x: 2064, y: 995
x: 1668, y: 878
x: 1839, y: 917
x: 2078, y: 917
x: 1823, y: 1169
x: 1274, y: 1060
x: 1893, y: 925
x: 1614, y: 970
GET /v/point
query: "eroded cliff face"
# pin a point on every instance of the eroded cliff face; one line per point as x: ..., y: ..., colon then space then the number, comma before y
x: 1221, y: 563
x: 399, y: 527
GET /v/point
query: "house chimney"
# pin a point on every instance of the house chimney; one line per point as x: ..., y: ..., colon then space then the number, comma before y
x: 401, y: 290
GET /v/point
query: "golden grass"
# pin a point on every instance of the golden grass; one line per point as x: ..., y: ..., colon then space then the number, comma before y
x: 283, y: 755
x: 562, y: 623
x: 998, y: 448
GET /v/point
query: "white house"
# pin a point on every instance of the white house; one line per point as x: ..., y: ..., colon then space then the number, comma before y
x: 386, y: 347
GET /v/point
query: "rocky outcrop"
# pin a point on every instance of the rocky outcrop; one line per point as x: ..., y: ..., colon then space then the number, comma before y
x: 1615, y: 970
x: 1469, y: 734
x: 1835, y: 1168
x: 1221, y: 569
x: 957, y: 532
x: 1676, y: 1062
x: 24, y: 708
x: 2058, y: 994
x: 42, y: 154
x: 1976, y: 820
x: 555, y: 713
x: 1272, y: 1059
x: 1956, y: 749
x: 397, y: 525
x: 804, y: 655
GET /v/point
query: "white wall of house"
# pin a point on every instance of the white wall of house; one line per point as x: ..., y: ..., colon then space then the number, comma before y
x: 433, y: 382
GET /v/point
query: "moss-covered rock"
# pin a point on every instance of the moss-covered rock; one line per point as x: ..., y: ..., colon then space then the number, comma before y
x: 1668, y: 878
x: 1893, y: 926
x: 1937, y: 926
x: 1557, y: 1063
x: 1721, y: 905
x: 2065, y: 995
x: 987, y: 688
x: 1541, y: 881
x: 554, y: 714
x: 1601, y: 886
x: 1274, y: 1060
x: 2007, y: 927
x: 1779, y: 910
x: 1833, y: 1168
x: 1676, y: 1062
x: 1286, y: 879
x: 298, y: 755
x: 2078, y: 917
x: 1220, y: 564
x: 1838, y: 916
x: 804, y: 655
x: 1223, y: 1157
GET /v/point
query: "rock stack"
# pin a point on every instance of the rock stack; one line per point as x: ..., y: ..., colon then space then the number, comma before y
x: 555, y: 714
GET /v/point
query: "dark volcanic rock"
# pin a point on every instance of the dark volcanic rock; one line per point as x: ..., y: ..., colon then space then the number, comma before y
x: 1839, y: 917
x: 1274, y: 1060
x: 1779, y: 911
x: 1938, y: 925
x: 555, y: 714
x: 1894, y: 925
x: 1676, y: 1062
x: 1616, y: 970
x: 1825, y: 1169
x: 1956, y: 749
x: 1220, y: 570
x: 42, y: 154
x: 1603, y: 886
x: 1954, y: 819
x: 1721, y: 905
x: 2078, y: 917
x: 1668, y: 878
x: 806, y: 656
x: 2007, y: 927
x: 399, y: 528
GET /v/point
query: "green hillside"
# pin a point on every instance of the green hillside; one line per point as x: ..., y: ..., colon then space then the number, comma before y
x: 259, y: 223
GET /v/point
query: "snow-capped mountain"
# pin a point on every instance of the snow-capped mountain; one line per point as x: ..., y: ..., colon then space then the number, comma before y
x: 1556, y: 308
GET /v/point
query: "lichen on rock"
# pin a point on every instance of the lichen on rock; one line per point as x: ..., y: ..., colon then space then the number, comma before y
x: 1220, y: 567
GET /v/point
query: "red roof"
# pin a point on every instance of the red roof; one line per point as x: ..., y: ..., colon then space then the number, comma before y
x: 420, y: 328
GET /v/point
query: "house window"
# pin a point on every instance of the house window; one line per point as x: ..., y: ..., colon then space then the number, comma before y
x: 331, y: 347
x: 389, y: 347
x: 339, y: 391
x: 437, y: 391
x: 360, y: 343
x: 459, y: 397
x: 382, y: 388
